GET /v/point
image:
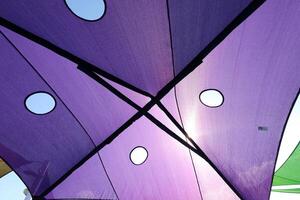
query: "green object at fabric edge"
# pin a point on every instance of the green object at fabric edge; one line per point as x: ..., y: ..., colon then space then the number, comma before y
x: 289, y: 172
x: 295, y: 190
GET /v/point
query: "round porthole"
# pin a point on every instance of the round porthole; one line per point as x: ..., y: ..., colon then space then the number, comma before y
x: 90, y: 10
x: 211, y: 98
x: 40, y: 103
x: 138, y: 155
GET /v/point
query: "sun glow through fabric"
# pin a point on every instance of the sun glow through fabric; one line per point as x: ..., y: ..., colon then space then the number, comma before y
x: 40, y: 103
x: 138, y: 155
x: 91, y: 10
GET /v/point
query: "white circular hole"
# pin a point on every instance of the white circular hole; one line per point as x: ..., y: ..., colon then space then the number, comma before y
x: 138, y: 155
x: 40, y: 103
x: 90, y: 10
x: 211, y: 98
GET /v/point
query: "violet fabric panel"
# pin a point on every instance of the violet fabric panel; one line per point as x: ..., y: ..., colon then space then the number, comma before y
x: 166, y: 174
x: 40, y: 148
x: 87, y: 182
x: 156, y: 112
x: 195, y: 23
x: 131, y: 41
x: 169, y: 102
x: 136, y: 97
x: 212, y: 185
x: 257, y: 69
x: 94, y: 106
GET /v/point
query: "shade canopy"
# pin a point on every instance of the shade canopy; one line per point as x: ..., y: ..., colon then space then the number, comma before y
x: 148, y: 99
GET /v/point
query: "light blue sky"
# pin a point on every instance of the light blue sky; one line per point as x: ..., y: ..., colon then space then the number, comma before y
x: 11, y: 187
x: 40, y: 103
x: 88, y: 10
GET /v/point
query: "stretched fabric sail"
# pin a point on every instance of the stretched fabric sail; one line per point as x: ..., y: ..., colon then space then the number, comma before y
x: 256, y: 68
x: 132, y: 41
x: 91, y: 102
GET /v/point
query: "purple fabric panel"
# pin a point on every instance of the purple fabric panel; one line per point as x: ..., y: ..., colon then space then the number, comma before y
x: 169, y: 101
x: 212, y: 185
x: 87, y: 182
x: 93, y: 105
x: 195, y: 23
x: 166, y: 174
x: 257, y: 69
x: 131, y: 41
x: 136, y: 97
x: 163, y: 118
x: 40, y: 148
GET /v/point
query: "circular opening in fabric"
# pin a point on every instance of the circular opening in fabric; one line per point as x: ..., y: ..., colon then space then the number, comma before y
x: 138, y: 155
x: 90, y: 10
x: 40, y: 103
x: 212, y: 98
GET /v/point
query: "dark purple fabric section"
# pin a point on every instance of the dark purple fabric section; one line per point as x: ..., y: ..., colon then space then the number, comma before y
x: 40, y: 148
x: 137, y: 98
x: 93, y: 105
x: 131, y: 41
x: 87, y: 182
x: 195, y: 23
x: 257, y: 68
x: 166, y: 174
